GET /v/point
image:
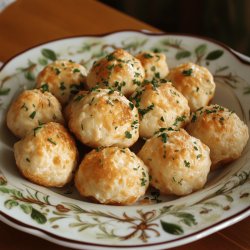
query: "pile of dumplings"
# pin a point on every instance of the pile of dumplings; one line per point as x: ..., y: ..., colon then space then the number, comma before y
x: 121, y: 99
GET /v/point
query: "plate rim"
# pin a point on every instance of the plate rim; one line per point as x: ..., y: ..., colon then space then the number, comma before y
x: 145, y: 32
x: 41, y: 233
x: 180, y: 241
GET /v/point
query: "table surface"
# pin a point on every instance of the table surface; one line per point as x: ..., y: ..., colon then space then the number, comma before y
x: 27, y: 23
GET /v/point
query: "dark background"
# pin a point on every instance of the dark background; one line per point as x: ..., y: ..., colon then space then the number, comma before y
x: 227, y: 21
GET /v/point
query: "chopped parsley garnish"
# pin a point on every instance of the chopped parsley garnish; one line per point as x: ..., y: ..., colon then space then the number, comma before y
x: 78, y: 98
x: 221, y: 120
x: 98, y: 149
x: 147, y: 56
x: 123, y: 150
x: 45, y: 87
x: 179, y: 119
x: 162, y: 119
x: 131, y: 105
x: 153, y: 68
x: 146, y: 110
x: 164, y: 137
x: 135, y: 124
x: 187, y: 164
x: 95, y: 89
x: 194, y: 118
x: 62, y: 87
x: 51, y: 141
x: 128, y: 135
x: 137, y: 74
x: 195, y: 148
x: 157, y: 75
x: 136, y: 82
x: 198, y: 156
x: 27, y: 159
x: 37, y: 129
x: 32, y: 115
x: 208, y: 111
x: 24, y: 107
x: 40, y: 123
x: 91, y: 102
x: 110, y: 67
x: 57, y: 71
x: 110, y: 57
x: 111, y: 91
x: 187, y: 72
x: 143, y: 179
x: 76, y: 70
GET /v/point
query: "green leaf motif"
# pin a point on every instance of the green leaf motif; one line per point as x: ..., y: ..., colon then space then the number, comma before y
x: 229, y: 198
x: 43, y: 61
x: 186, y: 218
x: 4, y: 190
x: 3, y: 181
x: 200, y: 50
x: 49, y: 54
x: 215, y: 54
x: 182, y: 54
x: 10, y: 204
x: 38, y: 217
x: 29, y: 76
x: 172, y: 228
x: 246, y: 90
x: 17, y: 193
x: 4, y: 91
x: 26, y: 208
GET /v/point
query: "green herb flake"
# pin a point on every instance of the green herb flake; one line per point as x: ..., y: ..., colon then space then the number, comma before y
x: 110, y: 67
x: 76, y: 70
x: 24, y: 107
x: 187, y: 164
x: 123, y: 150
x: 221, y: 120
x: 153, y: 68
x: 58, y: 71
x: 51, y: 141
x: 199, y: 156
x: 135, y: 124
x: 27, y: 159
x: 157, y: 75
x: 110, y: 57
x: 179, y: 119
x: 131, y: 105
x: 137, y: 74
x: 195, y: 148
x: 78, y: 98
x: 32, y: 115
x: 187, y: 72
x: 143, y: 179
x: 194, y: 118
x: 45, y: 87
x: 111, y: 91
x: 164, y: 137
x: 62, y: 86
x: 128, y: 135
x: 147, y: 56
x: 146, y: 110
x: 37, y: 129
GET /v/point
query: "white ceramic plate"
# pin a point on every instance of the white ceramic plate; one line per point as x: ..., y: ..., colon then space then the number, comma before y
x: 59, y: 215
